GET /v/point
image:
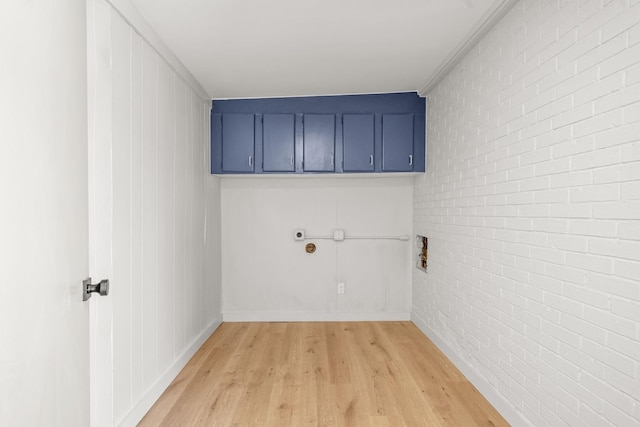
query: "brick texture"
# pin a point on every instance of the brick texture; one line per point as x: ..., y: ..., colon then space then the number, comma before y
x: 531, y: 201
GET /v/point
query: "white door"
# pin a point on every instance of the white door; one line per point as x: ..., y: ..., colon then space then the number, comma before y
x: 44, y: 335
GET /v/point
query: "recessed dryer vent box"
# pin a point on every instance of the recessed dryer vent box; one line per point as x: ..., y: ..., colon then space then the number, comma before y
x: 422, y: 244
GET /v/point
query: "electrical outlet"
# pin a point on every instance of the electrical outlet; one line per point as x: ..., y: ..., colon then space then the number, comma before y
x: 341, y: 288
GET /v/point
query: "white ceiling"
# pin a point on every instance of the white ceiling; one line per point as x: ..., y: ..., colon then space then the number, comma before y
x: 242, y: 48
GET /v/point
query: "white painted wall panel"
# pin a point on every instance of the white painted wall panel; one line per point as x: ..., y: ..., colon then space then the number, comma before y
x: 166, y: 300
x: 531, y: 206
x: 149, y: 266
x: 137, y: 291
x: 180, y: 209
x: 200, y: 172
x: 267, y: 275
x: 122, y: 167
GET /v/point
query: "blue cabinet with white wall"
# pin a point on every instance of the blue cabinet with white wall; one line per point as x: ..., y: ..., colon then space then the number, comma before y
x: 278, y: 142
x: 397, y: 142
x: 325, y: 134
x: 318, y: 142
x: 237, y: 142
x: 358, y: 142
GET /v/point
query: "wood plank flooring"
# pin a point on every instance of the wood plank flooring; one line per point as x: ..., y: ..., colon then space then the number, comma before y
x: 321, y: 374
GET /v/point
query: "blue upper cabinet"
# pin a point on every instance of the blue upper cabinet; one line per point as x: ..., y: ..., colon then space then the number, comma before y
x: 322, y: 134
x: 234, y: 151
x: 278, y: 143
x: 358, y: 142
x: 319, y: 142
x: 397, y: 142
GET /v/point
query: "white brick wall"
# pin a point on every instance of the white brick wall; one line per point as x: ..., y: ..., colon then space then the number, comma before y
x: 531, y: 202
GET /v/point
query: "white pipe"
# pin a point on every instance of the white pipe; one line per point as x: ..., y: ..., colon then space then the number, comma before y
x: 404, y: 238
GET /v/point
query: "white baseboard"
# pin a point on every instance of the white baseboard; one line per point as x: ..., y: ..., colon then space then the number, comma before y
x: 145, y: 403
x: 506, y: 409
x: 314, y: 317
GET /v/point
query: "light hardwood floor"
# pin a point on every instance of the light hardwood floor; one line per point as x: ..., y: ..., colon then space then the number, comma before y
x: 321, y: 374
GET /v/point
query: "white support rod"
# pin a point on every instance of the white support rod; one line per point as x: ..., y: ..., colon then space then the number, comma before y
x: 404, y: 238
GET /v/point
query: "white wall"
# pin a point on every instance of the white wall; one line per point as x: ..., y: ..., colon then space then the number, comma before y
x: 532, y: 206
x: 164, y: 216
x: 44, y: 335
x: 266, y: 275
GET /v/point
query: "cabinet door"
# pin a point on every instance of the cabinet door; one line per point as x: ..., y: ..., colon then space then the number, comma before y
x: 319, y: 142
x: 397, y: 142
x: 278, y: 141
x: 358, y: 142
x: 237, y: 142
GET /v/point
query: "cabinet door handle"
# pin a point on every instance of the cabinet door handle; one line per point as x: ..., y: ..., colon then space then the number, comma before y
x: 371, y: 160
x: 250, y: 160
x: 331, y: 160
x: 410, y: 159
x: 291, y: 161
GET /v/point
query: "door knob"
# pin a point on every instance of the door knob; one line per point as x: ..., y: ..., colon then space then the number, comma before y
x: 88, y: 288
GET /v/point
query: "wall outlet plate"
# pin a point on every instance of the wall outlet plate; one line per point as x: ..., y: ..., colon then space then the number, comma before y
x: 341, y: 287
x: 338, y: 235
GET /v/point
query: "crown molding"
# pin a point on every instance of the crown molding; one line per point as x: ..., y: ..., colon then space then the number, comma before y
x: 130, y: 14
x: 487, y: 22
